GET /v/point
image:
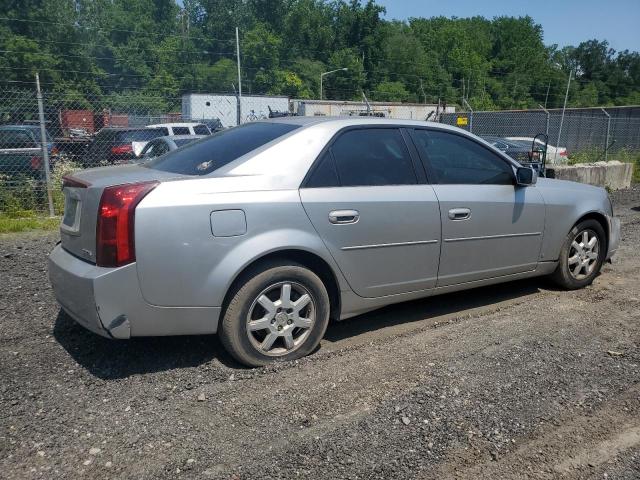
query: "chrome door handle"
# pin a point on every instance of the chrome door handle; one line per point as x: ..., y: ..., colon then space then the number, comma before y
x: 459, y: 213
x: 341, y: 217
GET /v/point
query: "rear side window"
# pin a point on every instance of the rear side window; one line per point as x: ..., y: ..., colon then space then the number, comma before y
x: 181, y: 131
x: 371, y: 157
x: 209, y: 154
x: 324, y: 175
x: 201, y: 130
x: 455, y: 159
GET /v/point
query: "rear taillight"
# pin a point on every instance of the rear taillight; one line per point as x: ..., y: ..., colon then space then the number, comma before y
x: 36, y: 163
x: 54, y: 151
x: 563, y: 153
x: 115, y: 240
x: 122, y: 149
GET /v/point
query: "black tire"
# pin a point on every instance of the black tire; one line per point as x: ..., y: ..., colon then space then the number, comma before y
x: 233, y: 331
x: 563, y: 276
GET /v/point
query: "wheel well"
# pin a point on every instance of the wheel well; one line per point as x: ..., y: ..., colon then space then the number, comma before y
x: 310, y: 260
x: 602, y: 220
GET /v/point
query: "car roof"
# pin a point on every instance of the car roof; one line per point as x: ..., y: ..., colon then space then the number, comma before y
x: 13, y: 127
x: 183, y: 137
x: 176, y: 124
x: 123, y: 129
x: 355, y: 121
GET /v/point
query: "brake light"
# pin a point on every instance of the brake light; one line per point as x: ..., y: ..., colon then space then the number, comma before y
x: 122, y: 149
x: 564, y: 153
x: 36, y: 163
x: 115, y: 239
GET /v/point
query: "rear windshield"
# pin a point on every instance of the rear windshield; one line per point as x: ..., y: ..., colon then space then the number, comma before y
x: 201, y: 130
x: 182, y: 142
x: 140, y: 135
x: 209, y: 154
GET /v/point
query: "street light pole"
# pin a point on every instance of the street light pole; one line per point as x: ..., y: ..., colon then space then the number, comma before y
x: 327, y: 73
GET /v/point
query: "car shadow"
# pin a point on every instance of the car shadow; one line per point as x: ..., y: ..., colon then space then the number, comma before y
x: 116, y: 359
x: 433, y: 309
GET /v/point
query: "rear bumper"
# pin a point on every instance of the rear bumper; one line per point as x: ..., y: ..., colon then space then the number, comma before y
x: 108, y: 301
x: 614, y: 236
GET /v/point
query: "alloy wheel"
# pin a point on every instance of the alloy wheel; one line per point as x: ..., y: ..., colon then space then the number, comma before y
x: 583, y: 254
x: 280, y: 318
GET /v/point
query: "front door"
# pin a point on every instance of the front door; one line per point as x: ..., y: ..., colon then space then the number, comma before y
x: 490, y: 226
x: 380, y: 224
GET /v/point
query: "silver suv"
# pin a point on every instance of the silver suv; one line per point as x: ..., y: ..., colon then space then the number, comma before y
x: 265, y: 232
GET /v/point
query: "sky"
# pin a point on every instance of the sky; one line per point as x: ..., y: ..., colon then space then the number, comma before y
x: 565, y: 22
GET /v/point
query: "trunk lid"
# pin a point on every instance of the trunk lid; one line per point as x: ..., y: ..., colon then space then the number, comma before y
x: 82, y: 193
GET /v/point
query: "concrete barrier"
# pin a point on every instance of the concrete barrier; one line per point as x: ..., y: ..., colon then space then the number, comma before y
x: 613, y: 175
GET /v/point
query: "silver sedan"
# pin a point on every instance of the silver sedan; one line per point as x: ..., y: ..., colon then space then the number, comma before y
x: 264, y: 232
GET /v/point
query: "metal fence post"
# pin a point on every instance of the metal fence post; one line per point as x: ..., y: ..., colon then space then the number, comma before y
x: 239, y: 113
x: 44, y: 146
x: 606, y: 140
x: 546, y: 130
x: 564, y: 108
x: 470, y: 115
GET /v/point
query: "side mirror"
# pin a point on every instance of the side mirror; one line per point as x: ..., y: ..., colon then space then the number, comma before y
x: 526, y: 176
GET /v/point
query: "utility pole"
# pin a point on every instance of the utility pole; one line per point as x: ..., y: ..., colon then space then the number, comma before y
x: 564, y: 107
x: 44, y: 146
x: 239, y: 77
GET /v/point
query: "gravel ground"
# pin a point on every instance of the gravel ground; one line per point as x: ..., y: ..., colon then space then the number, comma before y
x: 511, y: 381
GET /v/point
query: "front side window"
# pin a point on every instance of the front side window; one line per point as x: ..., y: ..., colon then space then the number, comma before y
x: 372, y: 157
x: 204, y: 156
x: 455, y: 159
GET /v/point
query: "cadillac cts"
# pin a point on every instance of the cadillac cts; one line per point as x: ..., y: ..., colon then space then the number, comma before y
x: 264, y: 232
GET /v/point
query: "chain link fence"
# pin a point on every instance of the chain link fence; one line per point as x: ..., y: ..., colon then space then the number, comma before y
x: 90, y: 130
x: 585, y: 134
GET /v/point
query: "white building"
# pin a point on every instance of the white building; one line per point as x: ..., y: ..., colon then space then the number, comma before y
x: 336, y: 108
x: 208, y: 106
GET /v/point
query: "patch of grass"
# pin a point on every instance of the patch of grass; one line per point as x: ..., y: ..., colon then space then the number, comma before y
x: 29, y: 222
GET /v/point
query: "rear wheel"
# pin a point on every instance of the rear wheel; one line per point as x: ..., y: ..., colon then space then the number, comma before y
x: 582, y: 256
x: 280, y: 313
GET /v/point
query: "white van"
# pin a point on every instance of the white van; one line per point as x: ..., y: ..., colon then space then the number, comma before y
x: 182, y: 128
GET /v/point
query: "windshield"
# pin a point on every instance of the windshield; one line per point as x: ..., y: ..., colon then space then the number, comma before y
x: 209, y: 154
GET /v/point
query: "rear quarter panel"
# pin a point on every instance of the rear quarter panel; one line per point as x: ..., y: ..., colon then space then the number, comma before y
x: 565, y: 203
x: 181, y: 263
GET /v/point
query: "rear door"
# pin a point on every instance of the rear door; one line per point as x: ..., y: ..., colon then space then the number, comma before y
x: 367, y: 198
x: 490, y: 226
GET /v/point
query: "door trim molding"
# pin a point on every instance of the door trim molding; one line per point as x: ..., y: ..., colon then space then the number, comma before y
x: 490, y: 237
x: 383, y: 245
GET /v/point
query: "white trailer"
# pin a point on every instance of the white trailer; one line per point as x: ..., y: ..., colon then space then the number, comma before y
x: 336, y: 108
x: 208, y: 106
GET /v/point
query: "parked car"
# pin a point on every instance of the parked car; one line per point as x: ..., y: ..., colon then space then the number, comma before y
x: 264, y: 232
x: 518, y: 150
x: 119, y: 145
x: 185, y: 128
x: 554, y: 154
x: 161, y: 145
x: 21, y: 152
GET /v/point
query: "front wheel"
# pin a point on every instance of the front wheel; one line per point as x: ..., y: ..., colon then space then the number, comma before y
x: 280, y: 313
x: 582, y: 256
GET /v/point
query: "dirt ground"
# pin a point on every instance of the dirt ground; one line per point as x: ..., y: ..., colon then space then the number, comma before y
x: 512, y: 381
